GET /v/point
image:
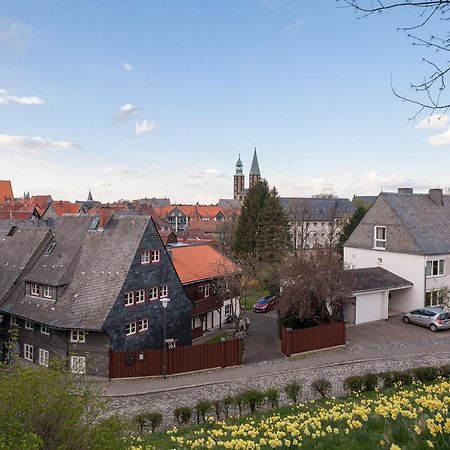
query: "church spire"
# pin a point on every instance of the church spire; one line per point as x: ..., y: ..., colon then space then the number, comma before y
x: 90, y: 199
x: 254, y: 169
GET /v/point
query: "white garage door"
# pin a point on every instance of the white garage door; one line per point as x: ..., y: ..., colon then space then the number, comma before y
x: 369, y: 307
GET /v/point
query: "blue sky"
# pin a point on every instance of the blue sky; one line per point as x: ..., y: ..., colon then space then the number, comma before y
x: 158, y: 98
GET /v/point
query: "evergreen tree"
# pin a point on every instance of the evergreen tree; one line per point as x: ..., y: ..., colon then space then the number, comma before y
x: 252, y: 208
x: 351, y: 225
x: 273, y: 237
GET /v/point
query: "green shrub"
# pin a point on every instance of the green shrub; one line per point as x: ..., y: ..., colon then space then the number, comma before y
x: 155, y: 419
x: 370, y: 381
x: 273, y: 397
x: 202, y: 407
x: 227, y: 403
x: 402, y: 377
x: 252, y: 398
x: 426, y: 374
x: 217, y: 406
x: 141, y: 420
x: 445, y: 371
x: 354, y: 383
x: 322, y: 386
x: 293, y: 390
x: 183, y: 415
x: 387, y: 379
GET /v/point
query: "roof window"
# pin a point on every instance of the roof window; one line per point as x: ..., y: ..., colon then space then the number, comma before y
x: 12, y: 231
x: 50, y: 248
x: 94, y: 223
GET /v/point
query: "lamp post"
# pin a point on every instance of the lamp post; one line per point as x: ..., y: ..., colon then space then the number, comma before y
x: 164, y: 303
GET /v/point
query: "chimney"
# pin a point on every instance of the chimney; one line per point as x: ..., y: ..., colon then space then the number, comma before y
x: 436, y: 196
x: 405, y: 190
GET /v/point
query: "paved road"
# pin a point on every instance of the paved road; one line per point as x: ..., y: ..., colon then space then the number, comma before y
x: 262, y: 342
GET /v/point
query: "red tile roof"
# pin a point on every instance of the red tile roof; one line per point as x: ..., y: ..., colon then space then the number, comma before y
x: 200, y: 262
x: 6, y: 193
x: 62, y: 207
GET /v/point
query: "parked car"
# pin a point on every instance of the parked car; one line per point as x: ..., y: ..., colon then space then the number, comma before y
x: 433, y: 318
x: 264, y: 304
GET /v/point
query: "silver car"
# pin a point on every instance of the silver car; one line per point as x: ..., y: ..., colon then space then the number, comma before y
x: 433, y: 318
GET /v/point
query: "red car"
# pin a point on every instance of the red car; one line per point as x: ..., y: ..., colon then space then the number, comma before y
x: 264, y: 304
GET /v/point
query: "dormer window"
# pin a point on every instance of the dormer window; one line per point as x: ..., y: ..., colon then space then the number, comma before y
x: 48, y: 291
x: 379, y: 241
x: 34, y: 289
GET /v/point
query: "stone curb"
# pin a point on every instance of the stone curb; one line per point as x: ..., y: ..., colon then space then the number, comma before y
x: 300, y: 369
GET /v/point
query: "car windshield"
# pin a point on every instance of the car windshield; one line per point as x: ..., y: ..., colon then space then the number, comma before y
x: 263, y: 301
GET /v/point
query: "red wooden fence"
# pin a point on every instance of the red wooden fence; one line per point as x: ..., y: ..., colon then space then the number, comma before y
x: 179, y: 360
x: 313, y: 338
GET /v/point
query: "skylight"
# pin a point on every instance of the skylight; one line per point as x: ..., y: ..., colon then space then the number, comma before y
x: 50, y: 248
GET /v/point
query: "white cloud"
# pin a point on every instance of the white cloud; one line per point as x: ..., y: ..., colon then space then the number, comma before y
x: 127, y: 110
x: 14, y: 35
x: 33, y: 144
x: 6, y: 97
x: 434, y: 121
x: 127, y: 66
x: 440, y: 140
x: 143, y: 127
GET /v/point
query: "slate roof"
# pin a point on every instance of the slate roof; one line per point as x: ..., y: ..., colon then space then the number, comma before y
x: 312, y: 209
x: 365, y: 199
x: 200, y: 262
x: 254, y: 169
x: 95, y: 266
x: 16, y: 251
x: 374, y: 279
x: 427, y: 223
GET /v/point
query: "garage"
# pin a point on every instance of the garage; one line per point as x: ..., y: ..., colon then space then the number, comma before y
x: 370, y: 300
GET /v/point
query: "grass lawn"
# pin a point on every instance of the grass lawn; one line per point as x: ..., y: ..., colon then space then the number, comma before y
x: 411, y: 418
x: 217, y: 337
x: 252, y: 298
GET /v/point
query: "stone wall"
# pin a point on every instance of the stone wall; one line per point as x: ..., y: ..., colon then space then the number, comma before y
x: 166, y: 401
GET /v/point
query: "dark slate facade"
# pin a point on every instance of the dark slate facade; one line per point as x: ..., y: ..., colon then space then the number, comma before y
x: 146, y: 276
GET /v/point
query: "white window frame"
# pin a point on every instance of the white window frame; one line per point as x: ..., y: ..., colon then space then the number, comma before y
x: 47, y: 291
x: 29, y: 325
x: 139, y: 296
x: 129, y: 298
x: 28, y: 352
x: 78, y: 336
x: 14, y: 322
x: 164, y: 291
x: 434, y: 293
x: 44, y: 357
x: 78, y: 364
x: 155, y: 256
x: 142, y: 325
x: 130, y: 329
x: 145, y: 257
x: 207, y: 290
x: 228, y: 307
x: 45, y: 329
x: 379, y: 243
x: 153, y: 293
x: 35, y: 290
x: 430, y: 266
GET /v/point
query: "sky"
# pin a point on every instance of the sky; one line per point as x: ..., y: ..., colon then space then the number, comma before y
x: 158, y: 98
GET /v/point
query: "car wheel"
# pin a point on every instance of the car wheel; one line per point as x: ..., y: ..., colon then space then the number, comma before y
x: 433, y: 327
x: 406, y: 319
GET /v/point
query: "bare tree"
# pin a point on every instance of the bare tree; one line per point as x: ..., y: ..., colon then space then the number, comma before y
x: 429, y: 92
x: 314, y: 289
x: 299, y: 217
x: 333, y: 230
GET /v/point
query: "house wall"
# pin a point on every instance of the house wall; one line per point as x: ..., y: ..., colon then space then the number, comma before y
x: 95, y: 349
x: 440, y: 281
x: 410, y: 267
x: 145, y: 276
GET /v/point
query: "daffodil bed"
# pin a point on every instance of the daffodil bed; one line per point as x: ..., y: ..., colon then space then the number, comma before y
x: 414, y: 417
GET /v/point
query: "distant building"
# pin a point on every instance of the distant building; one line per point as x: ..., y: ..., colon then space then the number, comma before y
x: 239, y: 190
x: 363, y: 200
x: 89, y: 203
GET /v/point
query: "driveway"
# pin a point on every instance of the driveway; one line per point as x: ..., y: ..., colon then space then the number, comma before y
x: 392, y: 333
x: 262, y: 342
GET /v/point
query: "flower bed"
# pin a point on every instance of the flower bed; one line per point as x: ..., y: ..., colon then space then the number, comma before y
x: 412, y: 417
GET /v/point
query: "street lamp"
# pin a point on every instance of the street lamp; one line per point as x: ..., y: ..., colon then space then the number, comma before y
x: 164, y: 302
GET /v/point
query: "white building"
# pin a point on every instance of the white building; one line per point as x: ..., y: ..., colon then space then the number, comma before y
x: 409, y: 235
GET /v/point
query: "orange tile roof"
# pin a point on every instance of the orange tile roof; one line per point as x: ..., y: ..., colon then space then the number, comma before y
x: 6, y: 193
x: 196, y: 211
x: 62, y: 207
x: 200, y: 262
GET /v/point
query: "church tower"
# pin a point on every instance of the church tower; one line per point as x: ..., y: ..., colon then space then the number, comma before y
x: 239, y: 180
x: 255, y: 174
